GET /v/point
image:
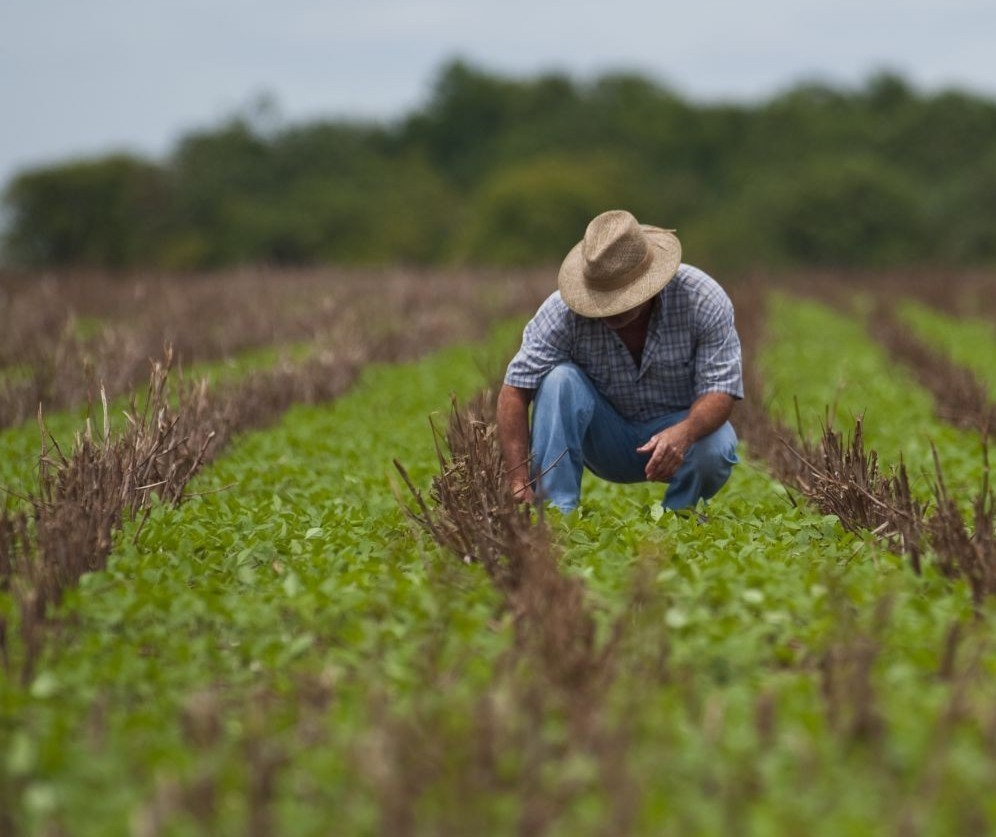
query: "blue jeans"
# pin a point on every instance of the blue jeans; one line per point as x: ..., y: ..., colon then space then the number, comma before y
x: 574, y: 426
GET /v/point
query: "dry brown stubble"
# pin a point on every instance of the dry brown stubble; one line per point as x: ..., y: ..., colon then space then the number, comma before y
x: 558, y: 666
x: 85, y: 493
x: 63, y: 337
x: 840, y: 477
x: 960, y: 398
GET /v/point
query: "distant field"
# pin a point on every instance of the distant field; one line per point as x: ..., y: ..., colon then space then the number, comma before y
x: 220, y: 619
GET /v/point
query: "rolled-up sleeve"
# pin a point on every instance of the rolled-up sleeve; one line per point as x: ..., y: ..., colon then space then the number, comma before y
x: 546, y: 342
x: 718, y: 364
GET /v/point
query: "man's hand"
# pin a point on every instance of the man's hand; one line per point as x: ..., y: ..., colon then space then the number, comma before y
x: 513, y: 434
x: 667, y: 451
x: 522, y: 492
x: 668, y: 448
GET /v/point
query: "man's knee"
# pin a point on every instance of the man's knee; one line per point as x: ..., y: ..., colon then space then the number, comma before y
x: 715, y: 455
x: 563, y: 376
x: 567, y: 386
x: 720, y: 443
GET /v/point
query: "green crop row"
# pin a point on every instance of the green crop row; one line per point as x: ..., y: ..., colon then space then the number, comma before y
x: 821, y: 365
x: 747, y: 612
x: 968, y: 342
x: 286, y: 649
x: 21, y: 446
x: 294, y: 563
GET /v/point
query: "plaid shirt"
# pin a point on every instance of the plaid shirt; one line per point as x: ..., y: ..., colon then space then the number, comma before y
x: 692, y: 348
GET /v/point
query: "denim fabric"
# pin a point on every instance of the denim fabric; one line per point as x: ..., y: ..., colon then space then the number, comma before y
x: 574, y: 426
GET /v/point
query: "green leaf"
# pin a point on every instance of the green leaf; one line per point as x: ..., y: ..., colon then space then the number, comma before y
x: 45, y: 685
x: 752, y: 596
x: 21, y: 755
x: 292, y: 584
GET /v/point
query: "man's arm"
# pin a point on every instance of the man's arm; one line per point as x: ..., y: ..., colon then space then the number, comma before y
x: 513, y: 435
x: 667, y: 449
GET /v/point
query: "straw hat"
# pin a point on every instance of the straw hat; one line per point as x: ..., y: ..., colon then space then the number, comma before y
x: 618, y: 265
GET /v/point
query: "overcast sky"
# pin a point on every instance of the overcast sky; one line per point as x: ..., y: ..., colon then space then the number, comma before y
x: 83, y: 78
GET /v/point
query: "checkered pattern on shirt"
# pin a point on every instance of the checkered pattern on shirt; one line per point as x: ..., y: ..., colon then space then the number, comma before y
x: 692, y: 348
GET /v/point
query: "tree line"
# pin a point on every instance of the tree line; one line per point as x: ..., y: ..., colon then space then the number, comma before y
x: 500, y: 171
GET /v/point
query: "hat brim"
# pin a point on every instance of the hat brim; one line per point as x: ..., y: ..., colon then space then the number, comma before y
x: 589, y: 302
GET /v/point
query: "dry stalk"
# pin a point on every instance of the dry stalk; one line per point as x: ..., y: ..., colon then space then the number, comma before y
x: 474, y: 515
x: 84, y: 495
x: 844, y: 479
x: 61, y: 334
x: 961, y: 552
x: 960, y: 398
x: 557, y: 664
x: 82, y: 499
x: 841, y: 478
x: 766, y: 438
x: 846, y: 682
x: 838, y: 476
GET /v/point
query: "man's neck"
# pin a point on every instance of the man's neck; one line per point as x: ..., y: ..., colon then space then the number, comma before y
x: 634, y: 334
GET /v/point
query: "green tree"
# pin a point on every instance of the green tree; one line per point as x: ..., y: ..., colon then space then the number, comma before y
x: 964, y: 231
x: 100, y: 213
x: 211, y: 174
x: 459, y: 127
x: 536, y: 211
x: 855, y: 212
x: 508, y: 171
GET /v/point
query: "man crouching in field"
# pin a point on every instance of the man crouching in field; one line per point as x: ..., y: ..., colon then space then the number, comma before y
x: 632, y: 367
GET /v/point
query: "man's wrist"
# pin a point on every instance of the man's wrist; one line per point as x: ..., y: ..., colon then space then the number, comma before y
x: 518, y: 478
